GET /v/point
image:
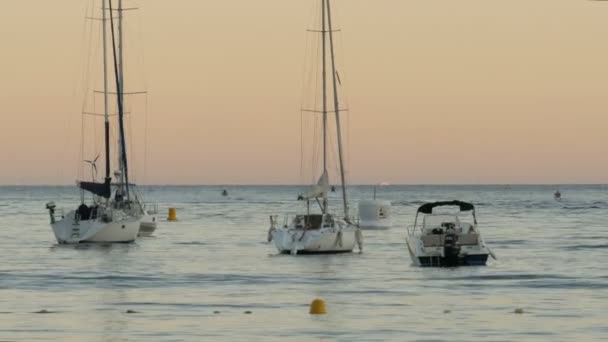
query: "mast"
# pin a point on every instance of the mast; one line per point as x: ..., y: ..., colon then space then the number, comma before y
x: 122, y: 79
x: 337, y: 112
x: 105, y: 91
x: 323, y: 31
x: 117, y: 76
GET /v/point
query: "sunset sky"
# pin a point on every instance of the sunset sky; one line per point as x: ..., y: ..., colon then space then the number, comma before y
x: 444, y: 91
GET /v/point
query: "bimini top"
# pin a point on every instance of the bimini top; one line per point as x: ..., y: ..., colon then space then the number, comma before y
x: 427, y: 208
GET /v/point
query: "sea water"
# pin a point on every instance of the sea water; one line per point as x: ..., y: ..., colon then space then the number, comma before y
x: 212, y: 276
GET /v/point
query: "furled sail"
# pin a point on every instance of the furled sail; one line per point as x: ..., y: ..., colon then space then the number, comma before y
x: 319, y: 189
x: 99, y: 189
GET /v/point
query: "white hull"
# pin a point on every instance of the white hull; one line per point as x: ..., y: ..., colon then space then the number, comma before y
x: 375, y: 225
x: 375, y: 214
x: 342, y: 239
x: 435, y: 254
x: 148, y: 225
x: 70, y: 231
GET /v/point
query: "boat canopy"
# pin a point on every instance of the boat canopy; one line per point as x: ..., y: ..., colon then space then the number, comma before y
x: 99, y: 189
x: 427, y: 208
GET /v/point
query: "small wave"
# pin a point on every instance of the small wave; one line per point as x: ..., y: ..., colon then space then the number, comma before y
x: 507, y: 277
x: 191, y: 243
x: 582, y: 247
x: 193, y: 305
x: 509, y: 242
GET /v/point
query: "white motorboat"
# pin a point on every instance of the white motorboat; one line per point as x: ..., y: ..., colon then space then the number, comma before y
x: 375, y: 214
x: 106, y: 218
x: 149, y: 220
x: 443, y: 240
x: 320, y: 232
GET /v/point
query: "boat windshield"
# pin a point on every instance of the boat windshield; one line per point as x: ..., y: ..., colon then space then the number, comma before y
x: 439, y: 221
x: 313, y: 221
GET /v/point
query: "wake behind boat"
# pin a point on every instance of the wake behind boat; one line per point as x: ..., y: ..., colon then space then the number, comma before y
x: 443, y: 240
x: 320, y: 232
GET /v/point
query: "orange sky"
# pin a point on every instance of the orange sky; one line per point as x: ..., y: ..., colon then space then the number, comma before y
x: 470, y: 91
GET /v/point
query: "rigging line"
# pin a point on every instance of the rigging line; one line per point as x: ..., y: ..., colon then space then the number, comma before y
x: 345, y: 94
x: 145, y: 180
x: 86, y: 68
x: 120, y: 108
x: 316, y: 69
x: 306, y: 84
x: 337, y: 115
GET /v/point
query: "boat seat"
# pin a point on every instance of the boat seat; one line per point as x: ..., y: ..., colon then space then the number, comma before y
x: 468, y: 239
x: 433, y: 240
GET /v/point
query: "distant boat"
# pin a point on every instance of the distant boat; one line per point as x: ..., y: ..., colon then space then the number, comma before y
x: 321, y: 232
x: 557, y: 195
x: 375, y: 213
x: 224, y: 192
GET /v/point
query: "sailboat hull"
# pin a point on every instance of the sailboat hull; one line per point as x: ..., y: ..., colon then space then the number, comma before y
x: 70, y: 231
x: 318, y: 241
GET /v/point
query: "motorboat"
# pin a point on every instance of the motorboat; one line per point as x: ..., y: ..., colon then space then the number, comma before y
x: 149, y: 220
x: 444, y: 240
x: 375, y: 213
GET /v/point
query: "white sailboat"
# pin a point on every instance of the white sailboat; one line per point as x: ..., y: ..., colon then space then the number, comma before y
x: 323, y: 231
x: 106, y: 218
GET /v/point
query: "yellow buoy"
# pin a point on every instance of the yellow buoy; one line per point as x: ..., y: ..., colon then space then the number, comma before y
x: 317, y: 307
x: 172, y: 215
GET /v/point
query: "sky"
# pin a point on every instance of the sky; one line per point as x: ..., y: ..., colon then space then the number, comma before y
x: 439, y: 92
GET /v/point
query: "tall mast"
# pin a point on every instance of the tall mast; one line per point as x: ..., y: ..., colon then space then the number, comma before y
x: 323, y: 32
x: 121, y: 125
x: 122, y: 77
x: 337, y: 112
x: 105, y: 89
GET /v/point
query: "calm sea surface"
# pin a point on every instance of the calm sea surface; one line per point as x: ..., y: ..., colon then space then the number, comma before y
x: 197, y: 277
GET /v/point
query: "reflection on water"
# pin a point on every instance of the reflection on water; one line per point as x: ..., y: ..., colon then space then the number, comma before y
x: 199, y: 277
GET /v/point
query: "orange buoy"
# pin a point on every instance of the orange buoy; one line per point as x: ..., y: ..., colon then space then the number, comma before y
x: 172, y: 215
x: 317, y: 307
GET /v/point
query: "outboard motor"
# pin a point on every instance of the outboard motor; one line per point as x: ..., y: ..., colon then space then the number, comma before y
x: 451, y: 249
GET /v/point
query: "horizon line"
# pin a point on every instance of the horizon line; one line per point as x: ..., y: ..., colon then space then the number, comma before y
x: 337, y: 185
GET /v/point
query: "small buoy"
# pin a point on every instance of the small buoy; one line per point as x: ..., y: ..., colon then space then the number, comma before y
x: 172, y: 215
x: 317, y: 307
x: 131, y: 311
x: 518, y: 311
x: 248, y: 312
